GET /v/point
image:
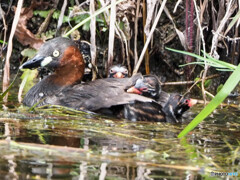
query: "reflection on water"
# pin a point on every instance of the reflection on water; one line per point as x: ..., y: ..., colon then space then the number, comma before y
x: 55, y: 144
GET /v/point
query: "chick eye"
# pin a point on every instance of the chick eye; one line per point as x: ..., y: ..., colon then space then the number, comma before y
x: 144, y: 89
x: 56, y: 53
x: 186, y: 102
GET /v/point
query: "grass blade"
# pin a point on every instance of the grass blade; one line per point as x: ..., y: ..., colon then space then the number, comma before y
x: 210, y: 60
x: 222, y: 63
x: 89, y: 18
x: 3, y: 42
x: 234, y: 20
x: 9, y: 87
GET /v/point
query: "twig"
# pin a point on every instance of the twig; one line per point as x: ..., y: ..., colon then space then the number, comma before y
x: 204, y: 49
x: 60, y: 19
x: 43, y: 147
x: 177, y: 83
x: 93, y: 48
x: 149, y: 37
x: 229, y: 11
x: 226, y: 37
x: 46, y: 22
x: 210, y: 94
x: 77, y: 3
x: 117, y: 29
x: 201, y: 80
x: 189, y: 82
x: 6, y: 75
x: 111, y: 33
x: 175, y: 8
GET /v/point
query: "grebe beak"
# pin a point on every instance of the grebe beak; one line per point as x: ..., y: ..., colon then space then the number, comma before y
x: 37, y: 61
x: 134, y: 90
x: 118, y: 75
x: 192, y: 102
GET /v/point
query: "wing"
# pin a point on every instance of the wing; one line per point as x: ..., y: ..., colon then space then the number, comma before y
x: 102, y: 93
x: 144, y: 111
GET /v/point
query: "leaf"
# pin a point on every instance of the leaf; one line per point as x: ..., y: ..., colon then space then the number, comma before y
x: 42, y: 14
x: 28, y: 52
x: 182, y: 38
x: 1, y: 41
x: 28, y: 77
x: 230, y: 84
x: 80, y: 18
x: 207, y: 83
x: 48, y: 34
x: 23, y: 35
x: 56, y: 14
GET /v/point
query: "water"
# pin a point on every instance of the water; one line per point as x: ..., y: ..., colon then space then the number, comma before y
x: 64, y: 144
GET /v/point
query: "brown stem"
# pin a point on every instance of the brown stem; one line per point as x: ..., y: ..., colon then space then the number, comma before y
x: 149, y: 36
x: 136, y: 33
x: 6, y: 75
x: 145, y: 38
x: 45, y: 23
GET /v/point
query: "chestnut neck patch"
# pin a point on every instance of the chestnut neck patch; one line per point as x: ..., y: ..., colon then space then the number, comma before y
x: 71, y: 67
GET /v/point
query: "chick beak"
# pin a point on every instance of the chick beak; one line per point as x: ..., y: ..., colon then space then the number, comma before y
x: 134, y: 90
x: 118, y: 75
x: 33, y: 63
x: 192, y: 102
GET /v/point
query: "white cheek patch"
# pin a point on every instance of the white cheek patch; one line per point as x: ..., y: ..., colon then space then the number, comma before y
x: 46, y: 61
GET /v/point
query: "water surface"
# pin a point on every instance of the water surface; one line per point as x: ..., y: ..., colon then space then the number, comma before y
x: 64, y: 144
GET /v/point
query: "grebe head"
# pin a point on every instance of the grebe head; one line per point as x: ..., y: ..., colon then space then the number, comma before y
x: 118, y: 71
x: 148, y: 86
x: 53, y: 54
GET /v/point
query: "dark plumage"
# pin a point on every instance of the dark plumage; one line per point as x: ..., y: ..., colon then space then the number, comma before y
x: 62, y: 56
x: 101, y: 93
x: 173, y: 105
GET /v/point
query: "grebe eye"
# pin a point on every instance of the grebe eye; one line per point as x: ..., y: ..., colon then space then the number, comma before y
x: 126, y: 72
x: 56, y: 53
x: 111, y: 71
